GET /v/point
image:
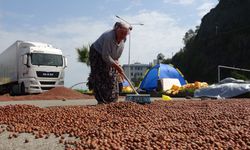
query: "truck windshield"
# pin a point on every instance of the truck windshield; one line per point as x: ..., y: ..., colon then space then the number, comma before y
x: 46, y: 59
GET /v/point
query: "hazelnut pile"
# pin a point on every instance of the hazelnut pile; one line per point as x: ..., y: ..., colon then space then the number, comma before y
x: 183, y: 124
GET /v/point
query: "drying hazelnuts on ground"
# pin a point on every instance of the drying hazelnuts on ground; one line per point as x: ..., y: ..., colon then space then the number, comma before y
x: 184, y: 124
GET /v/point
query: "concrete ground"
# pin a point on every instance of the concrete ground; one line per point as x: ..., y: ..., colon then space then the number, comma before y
x: 18, y: 143
x: 48, y: 103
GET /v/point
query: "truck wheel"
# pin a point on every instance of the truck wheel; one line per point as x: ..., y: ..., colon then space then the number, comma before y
x: 12, y: 91
x: 22, y: 89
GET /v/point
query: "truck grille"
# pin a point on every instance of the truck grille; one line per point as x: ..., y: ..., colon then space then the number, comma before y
x: 47, y: 88
x: 47, y: 82
x: 47, y: 74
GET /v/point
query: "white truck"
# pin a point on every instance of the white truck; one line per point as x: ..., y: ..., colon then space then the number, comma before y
x: 31, y: 67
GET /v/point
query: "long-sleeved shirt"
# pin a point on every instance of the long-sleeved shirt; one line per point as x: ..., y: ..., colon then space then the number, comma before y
x: 107, y: 46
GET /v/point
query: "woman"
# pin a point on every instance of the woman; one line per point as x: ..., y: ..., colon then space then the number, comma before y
x: 104, y: 65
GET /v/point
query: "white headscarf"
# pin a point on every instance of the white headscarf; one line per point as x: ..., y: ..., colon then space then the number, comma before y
x: 122, y: 25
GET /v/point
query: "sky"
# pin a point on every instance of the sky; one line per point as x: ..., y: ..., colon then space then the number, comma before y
x: 68, y: 25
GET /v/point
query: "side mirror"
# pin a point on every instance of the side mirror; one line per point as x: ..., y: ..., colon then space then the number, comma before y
x: 25, y: 60
x: 65, y: 62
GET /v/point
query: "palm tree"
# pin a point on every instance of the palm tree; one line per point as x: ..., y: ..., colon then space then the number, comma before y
x: 83, y: 54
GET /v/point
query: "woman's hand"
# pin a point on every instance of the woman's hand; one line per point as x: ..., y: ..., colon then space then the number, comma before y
x: 118, y: 67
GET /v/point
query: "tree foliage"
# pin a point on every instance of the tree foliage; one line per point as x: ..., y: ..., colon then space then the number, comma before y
x: 221, y: 39
x: 83, y: 54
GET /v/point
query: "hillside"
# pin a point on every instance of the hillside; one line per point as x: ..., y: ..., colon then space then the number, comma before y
x: 222, y: 39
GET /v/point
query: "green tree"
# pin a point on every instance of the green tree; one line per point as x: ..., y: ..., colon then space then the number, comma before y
x: 190, y: 35
x: 83, y: 54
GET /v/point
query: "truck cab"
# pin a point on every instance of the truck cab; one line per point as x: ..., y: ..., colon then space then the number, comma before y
x: 41, y: 67
x: 31, y: 67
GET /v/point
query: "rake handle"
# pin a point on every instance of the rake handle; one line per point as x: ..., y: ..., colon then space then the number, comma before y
x: 130, y: 83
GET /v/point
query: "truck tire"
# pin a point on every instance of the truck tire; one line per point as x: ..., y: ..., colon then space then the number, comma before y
x: 12, y: 91
x: 22, y: 89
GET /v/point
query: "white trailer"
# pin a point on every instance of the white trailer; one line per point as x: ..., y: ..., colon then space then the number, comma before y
x: 31, y: 67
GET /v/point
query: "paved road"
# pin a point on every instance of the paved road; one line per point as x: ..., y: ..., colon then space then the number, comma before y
x: 48, y: 103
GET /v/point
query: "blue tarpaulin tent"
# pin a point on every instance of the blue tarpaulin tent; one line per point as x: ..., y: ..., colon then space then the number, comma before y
x: 158, y: 72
